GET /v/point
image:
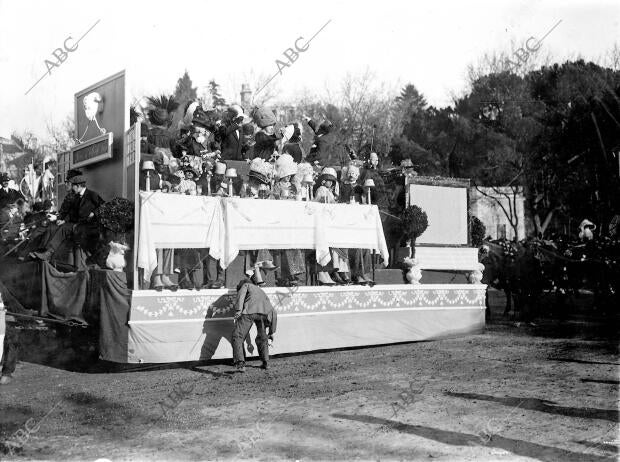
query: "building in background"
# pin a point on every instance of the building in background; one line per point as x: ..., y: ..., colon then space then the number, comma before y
x: 9, y: 153
x: 501, y: 209
x: 246, y: 96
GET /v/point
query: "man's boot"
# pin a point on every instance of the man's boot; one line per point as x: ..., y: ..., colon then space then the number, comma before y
x: 184, y: 280
x: 337, y: 279
x: 196, y: 277
x: 216, y: 284
x: 345, y: 277
x: 360, y: 280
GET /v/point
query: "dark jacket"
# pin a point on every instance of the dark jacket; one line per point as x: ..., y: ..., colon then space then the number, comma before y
x: 264, y: 145
x: 347, y: 190
x: 326, y: 149
x: 9, y: 197
x: 192, y: 147
x: 65, y: 207
x: 154, y: 183
x: 232, y: 142
x: 251, y: 299
x: 378, y: 194
x: 295, y: 150
x: 83, y: 206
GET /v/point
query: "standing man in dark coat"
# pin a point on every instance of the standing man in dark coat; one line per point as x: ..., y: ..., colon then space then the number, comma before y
x: 81, y: 220
x: 252, y: 307
x: 326, y: 149
x: 8, y: 195
x: 231, y: 134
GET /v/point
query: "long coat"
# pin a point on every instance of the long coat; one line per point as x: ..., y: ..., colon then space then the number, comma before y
x: 82, y: 207
x: 232, y: 142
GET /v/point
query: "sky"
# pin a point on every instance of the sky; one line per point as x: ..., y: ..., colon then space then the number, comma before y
x: 429, y: 44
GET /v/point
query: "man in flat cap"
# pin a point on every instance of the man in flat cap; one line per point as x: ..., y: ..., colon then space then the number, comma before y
x: 252, y: 307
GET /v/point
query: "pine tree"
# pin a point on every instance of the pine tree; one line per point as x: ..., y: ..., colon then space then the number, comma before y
x: 214, y: 90
x: 184, y: 91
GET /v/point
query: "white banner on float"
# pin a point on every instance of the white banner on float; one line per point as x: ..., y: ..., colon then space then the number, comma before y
x: 446, y: 208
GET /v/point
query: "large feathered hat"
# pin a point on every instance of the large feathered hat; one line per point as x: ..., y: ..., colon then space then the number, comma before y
x: 261, y: 170
x: 161, y: 109
x: 285, y: 166
x: 188, y: 114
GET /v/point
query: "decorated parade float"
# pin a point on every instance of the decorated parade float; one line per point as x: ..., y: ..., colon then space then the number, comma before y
x: 432, y: 289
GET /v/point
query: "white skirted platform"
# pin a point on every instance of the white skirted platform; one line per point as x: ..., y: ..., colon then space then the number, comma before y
x: 227, y: 225
x: 190, y: 326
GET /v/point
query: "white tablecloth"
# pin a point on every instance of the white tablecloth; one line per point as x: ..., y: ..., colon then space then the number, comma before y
x: 174, y: 221
x: 267, y: 224
x: 229, y: 225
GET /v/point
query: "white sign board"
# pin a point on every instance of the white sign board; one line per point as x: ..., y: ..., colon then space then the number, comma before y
x: 446, y: 208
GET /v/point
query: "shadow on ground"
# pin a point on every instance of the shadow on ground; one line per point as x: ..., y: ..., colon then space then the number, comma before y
x: 519, y: 447
x: 542, y: 405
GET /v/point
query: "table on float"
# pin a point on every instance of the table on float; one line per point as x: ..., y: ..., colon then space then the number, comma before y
x: 227, y: 226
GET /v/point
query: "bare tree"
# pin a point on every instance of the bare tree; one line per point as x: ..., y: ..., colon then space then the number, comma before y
x: 369, y: 112
x: 60, y: 135
x: 612, y: 57
x: 505, y: 197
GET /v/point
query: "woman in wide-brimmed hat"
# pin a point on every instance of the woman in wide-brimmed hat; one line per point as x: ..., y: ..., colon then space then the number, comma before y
x: 326, y: 193
x: 293, y: 261
x: 188, y: 183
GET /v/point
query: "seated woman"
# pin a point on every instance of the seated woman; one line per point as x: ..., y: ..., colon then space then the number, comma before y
x: 258, y: 187
x: 339, y: 265
x: 293, y: 262
x: 351, y: 191
x: 162, y: 179
x: 187, y: 185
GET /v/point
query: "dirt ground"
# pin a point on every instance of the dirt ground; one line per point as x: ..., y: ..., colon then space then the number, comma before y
x: 545, y: 392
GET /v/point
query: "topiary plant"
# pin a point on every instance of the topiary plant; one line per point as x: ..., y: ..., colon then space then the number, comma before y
x: 477, y: 231
x: 116, y: 217
x: 414, y: 222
